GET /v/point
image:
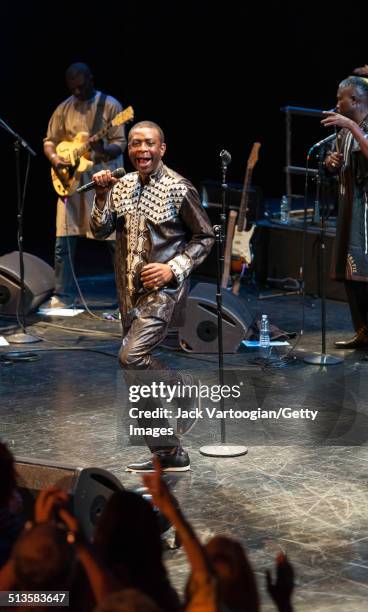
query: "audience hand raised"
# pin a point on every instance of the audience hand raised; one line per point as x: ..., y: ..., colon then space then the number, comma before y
x: 281, y: 589
x: 48, y: 504
x: 158, y: 488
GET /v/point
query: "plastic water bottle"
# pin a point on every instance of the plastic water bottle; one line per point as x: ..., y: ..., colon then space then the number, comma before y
x: 284, y: 209
x: 264, y: 334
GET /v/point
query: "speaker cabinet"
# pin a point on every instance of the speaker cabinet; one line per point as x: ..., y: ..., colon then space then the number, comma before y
x: 38, y: 282
x: 278, y: 255
x: 200, y: 334
x: 89, y: 488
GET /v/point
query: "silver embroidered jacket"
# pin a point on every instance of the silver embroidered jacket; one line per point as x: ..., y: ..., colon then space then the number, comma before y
x: 162, y: 221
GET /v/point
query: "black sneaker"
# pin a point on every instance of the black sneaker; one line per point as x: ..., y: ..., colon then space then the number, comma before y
x: 170, y: 462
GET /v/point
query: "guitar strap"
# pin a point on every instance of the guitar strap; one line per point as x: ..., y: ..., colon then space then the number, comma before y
x: 97, y: 123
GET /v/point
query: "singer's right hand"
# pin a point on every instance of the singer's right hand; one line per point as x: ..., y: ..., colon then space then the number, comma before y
x: 333, y: 161
x: 104, y: 181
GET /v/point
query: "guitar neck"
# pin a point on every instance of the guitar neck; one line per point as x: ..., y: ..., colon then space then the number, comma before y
x: 86, y: 146
x: 242, y: 217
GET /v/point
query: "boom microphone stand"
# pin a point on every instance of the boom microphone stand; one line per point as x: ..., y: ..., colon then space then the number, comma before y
x: 22, y: 337
x: 223, y: 449
x: 323, y: 358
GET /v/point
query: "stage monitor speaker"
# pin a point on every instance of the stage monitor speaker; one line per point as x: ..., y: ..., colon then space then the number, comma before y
x: 200, y: 334
x: 89, y: 488
x: 38, y: 282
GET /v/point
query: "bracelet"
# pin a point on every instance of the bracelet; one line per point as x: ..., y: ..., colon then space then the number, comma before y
x: 75, y: 537
x: 71, y: 537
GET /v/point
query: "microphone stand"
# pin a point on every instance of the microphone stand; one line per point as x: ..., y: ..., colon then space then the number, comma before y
x: 223, y: 449
x: 323, y: 358
x: 22, y: 337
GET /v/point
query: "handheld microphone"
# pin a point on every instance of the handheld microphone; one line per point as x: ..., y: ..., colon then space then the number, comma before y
x: 118, y: 173
x: 225, y: 157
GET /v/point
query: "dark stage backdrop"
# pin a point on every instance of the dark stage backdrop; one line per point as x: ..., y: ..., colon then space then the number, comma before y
x: 212, y: 77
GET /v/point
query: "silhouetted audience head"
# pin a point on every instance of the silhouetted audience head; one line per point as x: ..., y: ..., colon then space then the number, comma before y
x: 128, y: 526
x: 7, y: 475
x: 43, y: 558
x: 237, y: 587
x: 128, y: 539
x: 129, y: 600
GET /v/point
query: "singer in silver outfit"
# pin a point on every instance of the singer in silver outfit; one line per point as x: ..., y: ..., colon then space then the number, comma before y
x: 86, y: 110
x: 162, y: 234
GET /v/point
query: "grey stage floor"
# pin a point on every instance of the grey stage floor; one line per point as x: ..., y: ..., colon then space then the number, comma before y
x: 302, y: 487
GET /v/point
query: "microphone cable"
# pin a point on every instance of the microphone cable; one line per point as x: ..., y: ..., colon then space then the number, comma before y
x: 72, y: 268
x: 118, y: 172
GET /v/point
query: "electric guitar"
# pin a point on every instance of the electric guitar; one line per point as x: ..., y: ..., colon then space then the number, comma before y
x: 241, y: 249
x: 66, y: 179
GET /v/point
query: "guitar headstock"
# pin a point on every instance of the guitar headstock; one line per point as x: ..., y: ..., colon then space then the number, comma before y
x: 124, y: 116
x: 253, y: 157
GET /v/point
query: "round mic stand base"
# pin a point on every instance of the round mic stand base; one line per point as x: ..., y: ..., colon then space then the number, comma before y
x: 223, y: 450
x: 322, y: 359
x: 22, y: 338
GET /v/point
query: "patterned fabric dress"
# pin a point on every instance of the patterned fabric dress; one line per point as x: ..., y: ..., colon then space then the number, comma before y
x: 351, y: 245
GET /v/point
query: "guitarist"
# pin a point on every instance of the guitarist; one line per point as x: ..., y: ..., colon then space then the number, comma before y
x: 86, y: 110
